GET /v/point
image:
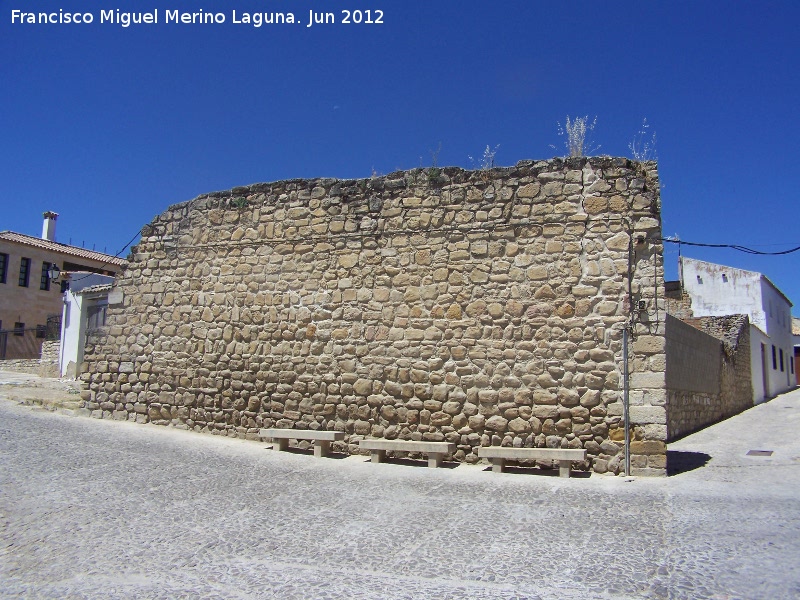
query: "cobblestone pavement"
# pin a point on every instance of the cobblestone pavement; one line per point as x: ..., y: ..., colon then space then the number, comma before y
x: 104, y: 509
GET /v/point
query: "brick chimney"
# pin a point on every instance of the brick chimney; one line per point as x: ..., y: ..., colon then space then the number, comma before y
x: 49, y: 226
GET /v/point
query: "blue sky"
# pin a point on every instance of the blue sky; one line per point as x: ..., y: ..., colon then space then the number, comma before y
x: 109, y: 125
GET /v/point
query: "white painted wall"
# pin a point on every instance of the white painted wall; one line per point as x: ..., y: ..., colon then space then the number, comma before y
x: 760, y: 387
x: 718, y: 290
x: 74, y: 320
x: 778, y: 313
x: 73, y: 331
x: 739, y: 292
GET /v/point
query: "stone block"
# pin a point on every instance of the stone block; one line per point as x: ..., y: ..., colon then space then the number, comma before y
x: 649, y: 344
x: 496, y: 423
x: 648, y: 447
x: 646, y: 415
x: 647, y: 380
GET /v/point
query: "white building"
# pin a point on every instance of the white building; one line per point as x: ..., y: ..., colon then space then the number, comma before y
x: 796, y: 335
x: 85, y: 304
x: 717, y: 290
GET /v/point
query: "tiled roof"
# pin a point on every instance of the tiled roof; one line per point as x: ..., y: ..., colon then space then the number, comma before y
x: 103, y: 287
x: 28, y: 240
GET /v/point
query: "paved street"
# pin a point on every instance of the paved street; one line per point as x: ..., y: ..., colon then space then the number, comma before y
x: 103, y: 509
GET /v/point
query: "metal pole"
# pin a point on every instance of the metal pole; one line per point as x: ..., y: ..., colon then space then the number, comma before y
x: 625, y: 401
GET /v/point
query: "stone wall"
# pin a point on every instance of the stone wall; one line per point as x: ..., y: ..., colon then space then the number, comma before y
x: 45, y: 366
x: 21, y: 365
x: 678, y: 302
x: 482, y: 308
x: 708, y: 371
x: 693, y: 358
x: 48, y: 363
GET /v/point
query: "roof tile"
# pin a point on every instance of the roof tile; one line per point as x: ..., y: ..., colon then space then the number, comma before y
x: 29, y: 240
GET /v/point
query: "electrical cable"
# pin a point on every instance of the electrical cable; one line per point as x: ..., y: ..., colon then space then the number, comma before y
x: 116, y: 256
x: 731, y: 246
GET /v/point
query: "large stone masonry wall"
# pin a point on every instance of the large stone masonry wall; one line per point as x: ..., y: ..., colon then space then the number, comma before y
x: 482, y: 308
x: 708, y: 371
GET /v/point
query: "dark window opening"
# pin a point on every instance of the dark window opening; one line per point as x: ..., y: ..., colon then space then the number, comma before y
x: 41, y: 331
x: 3, y: 267
x: 24, y: 271
x: 44, y: 282
x: 19, y: 328
x: 781, y: 351
x: 53, y: 327
x: 774, y: 359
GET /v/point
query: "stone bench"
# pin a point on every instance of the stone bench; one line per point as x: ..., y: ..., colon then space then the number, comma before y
x: 499, y: 454
x: 322, y: 439
x: 435, y: 450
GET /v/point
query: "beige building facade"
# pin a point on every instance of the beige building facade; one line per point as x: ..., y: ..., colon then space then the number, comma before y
x: 28, y: 294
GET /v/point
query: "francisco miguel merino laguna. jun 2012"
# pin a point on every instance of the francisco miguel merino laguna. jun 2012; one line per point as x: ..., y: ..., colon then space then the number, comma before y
x: 154, y: 17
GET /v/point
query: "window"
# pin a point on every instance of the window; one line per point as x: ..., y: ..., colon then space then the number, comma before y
x: 24, y: 271
x: 791, y: 365
x: 97, y: 314
x: 41, y: 331
x: 781, y: 351
x: 19, y: 328
x: 44, y: 282
x: 3, y: 267
x: 774, y: 359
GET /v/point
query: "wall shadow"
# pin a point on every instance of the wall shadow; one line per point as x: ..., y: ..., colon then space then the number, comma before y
x: 540, y: 472
x: 681, y: 462
x: 310, y: 452
x: 410, y: 462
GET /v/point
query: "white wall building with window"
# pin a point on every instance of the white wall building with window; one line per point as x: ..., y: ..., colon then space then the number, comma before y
x: 85, y: 304
x: 717, y: 290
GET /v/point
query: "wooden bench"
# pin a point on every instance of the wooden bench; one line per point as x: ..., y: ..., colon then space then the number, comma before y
x: 322, y: 439
x: 435, y: 450
x: 498, y: 456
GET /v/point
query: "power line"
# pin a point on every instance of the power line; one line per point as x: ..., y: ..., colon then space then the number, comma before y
x: 116, y: 256
x: 744, y: 249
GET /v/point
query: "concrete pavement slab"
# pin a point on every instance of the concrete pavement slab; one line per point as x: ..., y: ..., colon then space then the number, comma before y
x: 106, y: 509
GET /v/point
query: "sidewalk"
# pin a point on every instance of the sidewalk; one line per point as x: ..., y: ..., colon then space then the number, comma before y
x: 771, y: 426
x: 51, y: 393
x: 104, y: 509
